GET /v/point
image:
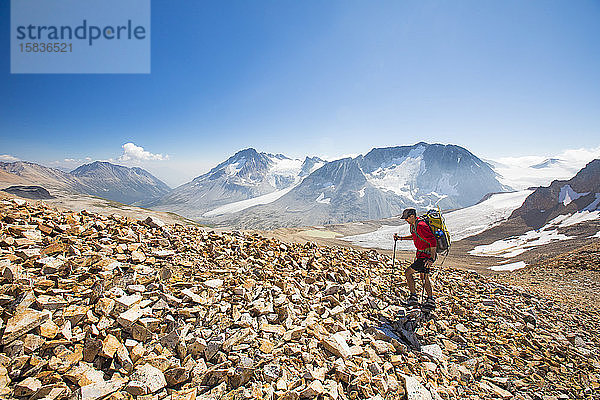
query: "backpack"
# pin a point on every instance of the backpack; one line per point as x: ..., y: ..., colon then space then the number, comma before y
x: 435, y: 221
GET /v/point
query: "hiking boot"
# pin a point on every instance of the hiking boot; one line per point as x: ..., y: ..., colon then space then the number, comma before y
x: 412, y: 300
x: 429, y: 304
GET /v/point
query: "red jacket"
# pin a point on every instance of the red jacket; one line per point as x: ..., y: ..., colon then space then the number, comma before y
x: 424, y: 240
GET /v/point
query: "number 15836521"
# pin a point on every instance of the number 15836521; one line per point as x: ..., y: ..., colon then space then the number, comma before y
x: 46, y: 47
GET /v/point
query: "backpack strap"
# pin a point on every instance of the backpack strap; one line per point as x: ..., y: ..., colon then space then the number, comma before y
x: 427, y: 251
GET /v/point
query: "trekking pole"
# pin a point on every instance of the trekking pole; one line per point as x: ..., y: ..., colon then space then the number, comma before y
x: 394, y: 256
x: 423, y: 288
x: 393, y: 262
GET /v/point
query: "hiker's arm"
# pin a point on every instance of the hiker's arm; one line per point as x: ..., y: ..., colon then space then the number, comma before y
x: 397, y: 237
x: 432, y: 251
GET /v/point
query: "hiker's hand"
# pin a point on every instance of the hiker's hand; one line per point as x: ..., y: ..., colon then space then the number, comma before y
x: 429, y: 263
x: 396, y: 237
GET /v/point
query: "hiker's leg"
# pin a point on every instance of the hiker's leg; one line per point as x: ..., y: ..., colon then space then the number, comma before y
x: 410, y: 280
x: 427, y: 284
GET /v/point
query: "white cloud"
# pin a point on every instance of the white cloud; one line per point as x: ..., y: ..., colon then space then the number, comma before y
x: 520, y: 173
x: 8, y: 158
x: 581, y: 156
x: 131, y: 152
x: 578, y: 157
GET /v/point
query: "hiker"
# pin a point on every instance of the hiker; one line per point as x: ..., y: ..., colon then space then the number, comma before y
x: 425, y: 242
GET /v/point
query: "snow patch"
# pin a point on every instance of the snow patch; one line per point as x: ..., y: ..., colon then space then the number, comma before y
x: 361, y: 192
x: 285, y: 168
x: 321, y: 199
x: 233, y: 169
x: 400, y: 176
x: 512, y: 247
x: 243, y: 204
x: 461, y: 223
x: 594, y: 204
x: 567, y: 195
x: 509, y: 267
x: 563, y: 221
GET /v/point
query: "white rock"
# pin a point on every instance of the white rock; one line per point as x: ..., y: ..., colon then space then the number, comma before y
x: 415, y: 390
x: 152, y: 377
x: 214, y: 283
x: 434, y: 350
x: 99, y: 390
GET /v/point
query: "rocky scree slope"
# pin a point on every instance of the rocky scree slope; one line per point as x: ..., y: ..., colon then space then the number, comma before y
x: 108, y: 307
x: 571, y: 279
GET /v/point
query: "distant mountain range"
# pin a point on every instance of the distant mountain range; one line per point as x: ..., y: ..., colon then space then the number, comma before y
x: 246, y: 175
x: 252, y: 189
x: 102, y: 179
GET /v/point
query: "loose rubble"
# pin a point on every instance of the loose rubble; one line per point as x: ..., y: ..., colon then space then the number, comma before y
x: 106, y: 307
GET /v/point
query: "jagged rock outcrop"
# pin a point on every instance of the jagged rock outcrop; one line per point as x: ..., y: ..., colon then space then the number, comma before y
x: 29, y: 192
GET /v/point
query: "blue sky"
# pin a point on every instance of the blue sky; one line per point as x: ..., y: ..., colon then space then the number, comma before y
x: 329, y: 78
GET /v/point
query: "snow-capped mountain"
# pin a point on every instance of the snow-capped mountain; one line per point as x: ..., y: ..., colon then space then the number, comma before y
x: 245, y: 176
x: 378, y: 185
x: 549, y: 162
x: 580, y: 193
x: 426, y: 174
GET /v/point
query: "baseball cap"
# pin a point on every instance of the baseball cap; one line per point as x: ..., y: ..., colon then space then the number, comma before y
x: 408, y: 212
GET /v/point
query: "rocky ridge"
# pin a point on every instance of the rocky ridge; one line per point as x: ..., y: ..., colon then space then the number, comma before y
x: 582, y: 192
x: 109, y: 307
x: 102, y: 179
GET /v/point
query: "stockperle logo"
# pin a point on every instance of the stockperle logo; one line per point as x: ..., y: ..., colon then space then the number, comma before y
x: 80, y: 36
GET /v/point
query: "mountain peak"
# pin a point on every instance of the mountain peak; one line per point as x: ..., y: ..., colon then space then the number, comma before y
x: 548, y: 163
x: 94, y: 166
x: 124, y: 184
x: 249, y: 152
